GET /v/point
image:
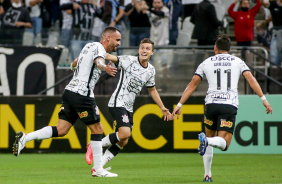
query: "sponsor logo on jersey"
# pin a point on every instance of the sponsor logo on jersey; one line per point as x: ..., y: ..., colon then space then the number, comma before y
x: 133, y: 86
x: 222, y: 58
x: 221, y: 95
x: 207, y: 121
x: 225, y: 123
x: 83, y: 114
x: 125, y: 118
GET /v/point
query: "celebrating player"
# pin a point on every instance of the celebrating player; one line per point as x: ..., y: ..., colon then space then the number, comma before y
x: 136, y: 72
x: 78, y: 99
x: 222, y: 72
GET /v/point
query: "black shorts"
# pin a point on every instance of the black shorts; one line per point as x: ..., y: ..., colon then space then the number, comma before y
x: 76, y: 106
x: 220, y: 117
x: 122, y: 117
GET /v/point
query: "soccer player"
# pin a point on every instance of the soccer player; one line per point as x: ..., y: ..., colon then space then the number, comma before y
x: 78, y: 99
x: 222, y: 72
x: 136, y: 72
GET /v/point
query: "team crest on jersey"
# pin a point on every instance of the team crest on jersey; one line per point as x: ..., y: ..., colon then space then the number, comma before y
x: 83, y: 114
x: 125, y: 118
x: 97, y: 110
x: 224, y: 123
x: 207, y: 121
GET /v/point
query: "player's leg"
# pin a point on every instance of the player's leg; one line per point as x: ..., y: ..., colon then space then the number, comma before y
x: 124, y: 134
x: 107, y: 141
x: 47, y: 132
x: 110, y: 139
x: 96, y: 146
x: 208, y: 156
x: 225, y: 127
x: 124, y: 120
x: 204, y: 149
x: 67, y: 117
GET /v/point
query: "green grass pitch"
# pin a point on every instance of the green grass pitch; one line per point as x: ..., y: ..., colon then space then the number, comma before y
x: 140, y: 168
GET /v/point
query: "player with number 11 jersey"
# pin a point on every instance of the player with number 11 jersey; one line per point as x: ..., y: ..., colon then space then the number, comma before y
x: 222, y: 72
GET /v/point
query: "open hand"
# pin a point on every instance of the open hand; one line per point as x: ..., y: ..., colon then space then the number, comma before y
x: 111, y: 70
x: 167, y: 114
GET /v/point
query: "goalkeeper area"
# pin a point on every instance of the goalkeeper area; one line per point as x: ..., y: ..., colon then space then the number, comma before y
x: 141, y: 168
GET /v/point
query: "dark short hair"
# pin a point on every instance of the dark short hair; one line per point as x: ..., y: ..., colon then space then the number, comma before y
x: 147, y: 40
x: 110, y: 29
x: 223, y: 42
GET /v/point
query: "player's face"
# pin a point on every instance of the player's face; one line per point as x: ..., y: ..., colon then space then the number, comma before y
x: 114, y: 41
x: 145, y: 51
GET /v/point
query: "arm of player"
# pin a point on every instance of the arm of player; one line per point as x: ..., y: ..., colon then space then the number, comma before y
x: 157, y: 99
x: 100, y: 62
x: 73, y: 64
x: 256, y: 87
x: 112, y: 58
x: 191, y: 87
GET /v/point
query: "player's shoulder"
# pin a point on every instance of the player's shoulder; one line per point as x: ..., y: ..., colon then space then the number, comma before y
x: 150, y: 66
x: 94, y: 45
x: 127, y: 58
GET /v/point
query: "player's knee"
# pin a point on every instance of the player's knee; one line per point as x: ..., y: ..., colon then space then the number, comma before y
x: 124, y: 134
x: 124, y: 137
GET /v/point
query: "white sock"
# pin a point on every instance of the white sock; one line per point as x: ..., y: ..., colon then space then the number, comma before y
x: 97, y: 150
x: 44, y: 133
x: 207, y: 159
x: 106, y: 140
x: 108, y: 156
x: 217, y: 142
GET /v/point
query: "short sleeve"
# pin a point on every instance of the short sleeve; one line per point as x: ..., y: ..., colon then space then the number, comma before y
x: 243, y: 67
x: 200, y: 71
x: 99, y: 52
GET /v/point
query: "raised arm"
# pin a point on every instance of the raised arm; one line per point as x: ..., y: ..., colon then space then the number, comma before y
x: 256, y: 87
x: 191, y: 87
x: 157, y: 99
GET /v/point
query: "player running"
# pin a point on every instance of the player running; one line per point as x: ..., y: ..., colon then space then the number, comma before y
x: 136, y: 72
x: 221, y: 103
x: 78, y: 99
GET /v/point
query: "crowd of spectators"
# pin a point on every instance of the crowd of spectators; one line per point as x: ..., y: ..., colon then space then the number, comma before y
x: 82, y: 21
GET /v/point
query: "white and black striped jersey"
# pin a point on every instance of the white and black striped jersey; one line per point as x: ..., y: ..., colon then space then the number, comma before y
x: 133, y: 77
x: 83, y: 19
x: 87, y: 74
x: 222, y: 72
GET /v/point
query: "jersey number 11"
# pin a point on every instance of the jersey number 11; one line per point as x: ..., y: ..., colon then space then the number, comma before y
x: 218, y: 77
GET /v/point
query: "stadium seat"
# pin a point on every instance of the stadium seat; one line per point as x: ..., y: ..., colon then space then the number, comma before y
x: 183, y: 39
x: 185, y: 32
